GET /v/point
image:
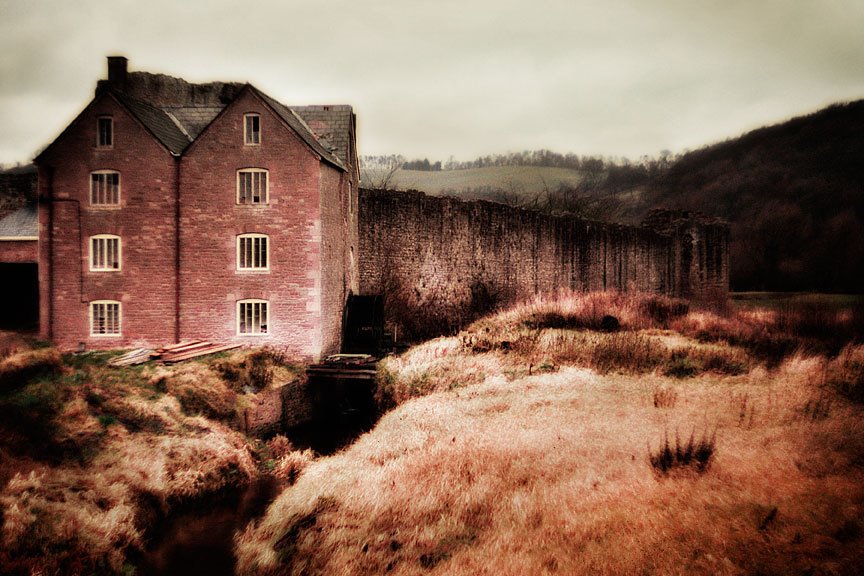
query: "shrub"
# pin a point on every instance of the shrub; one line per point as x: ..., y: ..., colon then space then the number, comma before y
x: 695, y: 455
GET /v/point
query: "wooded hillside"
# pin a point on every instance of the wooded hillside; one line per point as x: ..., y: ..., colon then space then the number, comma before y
x: 794, y: 195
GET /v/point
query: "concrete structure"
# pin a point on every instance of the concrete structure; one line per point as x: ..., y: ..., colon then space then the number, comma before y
x: 170, y: 210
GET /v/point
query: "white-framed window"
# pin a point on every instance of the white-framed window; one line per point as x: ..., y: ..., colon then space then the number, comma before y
x: 105, y: 317
x: 252, y: 186
x: 252, y: 317
x: 104, y: 132
x: 105, y: 253
x: 105, y: 188
x: 251, y: 129
x: 253, y: 252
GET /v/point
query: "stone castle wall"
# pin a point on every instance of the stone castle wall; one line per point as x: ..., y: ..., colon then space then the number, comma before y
x: 447, y: 260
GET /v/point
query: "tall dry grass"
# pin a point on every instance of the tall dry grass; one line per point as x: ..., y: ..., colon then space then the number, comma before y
x: 534, y: 442
x: 102, y: 452
x: 551, y: 474
x: 570, y: 330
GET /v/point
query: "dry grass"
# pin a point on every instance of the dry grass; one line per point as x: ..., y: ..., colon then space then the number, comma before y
x: 545, y: 334
x: 89, y: 451
x: 20, y: 365
x: 521, y: 448
x: 550, y: 474
x: 255, y: 369
x: 846, y: 372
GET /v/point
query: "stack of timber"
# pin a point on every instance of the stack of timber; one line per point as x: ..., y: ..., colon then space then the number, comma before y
x: 185, y: 350
x: 131, y: 358
x: 190, y: 349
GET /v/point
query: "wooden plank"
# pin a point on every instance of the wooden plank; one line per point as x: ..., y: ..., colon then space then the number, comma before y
x: 137, y: 356
x: 213, y: 349
x: 187, y: 347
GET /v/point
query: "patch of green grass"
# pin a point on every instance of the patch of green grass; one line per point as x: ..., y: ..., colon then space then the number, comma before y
x: 107, y: 420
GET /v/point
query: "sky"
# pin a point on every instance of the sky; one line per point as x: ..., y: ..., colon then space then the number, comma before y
x: 460, y: 78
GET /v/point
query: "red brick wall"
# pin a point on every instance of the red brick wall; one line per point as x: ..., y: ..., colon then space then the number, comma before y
x: 340, y: 274
x: 144, y: 221
x: 334, y: 288
x: 211, y: 220
x: 19, y: 251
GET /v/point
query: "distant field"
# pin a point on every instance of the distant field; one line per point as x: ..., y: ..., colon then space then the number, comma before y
x: 512, y: 179
x: 772, y: 300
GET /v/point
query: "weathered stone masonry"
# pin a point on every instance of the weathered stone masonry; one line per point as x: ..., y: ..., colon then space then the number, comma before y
x: 452, y: 255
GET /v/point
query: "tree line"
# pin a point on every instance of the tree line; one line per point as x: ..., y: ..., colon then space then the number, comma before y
x: 646, y: 165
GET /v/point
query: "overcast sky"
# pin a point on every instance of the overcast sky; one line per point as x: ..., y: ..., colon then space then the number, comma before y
x: 454, y: 77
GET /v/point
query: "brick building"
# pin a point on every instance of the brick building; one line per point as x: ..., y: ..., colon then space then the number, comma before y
x: 170, y: 210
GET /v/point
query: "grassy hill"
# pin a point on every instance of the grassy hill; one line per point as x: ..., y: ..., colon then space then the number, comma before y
x: 530, y: 444
x: 478, y: 183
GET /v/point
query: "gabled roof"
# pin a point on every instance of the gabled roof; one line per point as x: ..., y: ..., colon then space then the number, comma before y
x: 166, y: 129
x: 23, y: 224
x: 299, y: 125
x: 177, y: 112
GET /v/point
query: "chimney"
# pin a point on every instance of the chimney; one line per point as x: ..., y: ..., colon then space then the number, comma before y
x: 117, y: 72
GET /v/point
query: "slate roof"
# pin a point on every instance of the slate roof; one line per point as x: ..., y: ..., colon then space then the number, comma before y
x: 167, y: 130
x: 176, y: 112
x: 332, y: 124
x: 193, y: 119
x: 23, y: 223
x: 299, y: 125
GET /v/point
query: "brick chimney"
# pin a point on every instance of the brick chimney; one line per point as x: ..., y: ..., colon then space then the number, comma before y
x: 117, y: 72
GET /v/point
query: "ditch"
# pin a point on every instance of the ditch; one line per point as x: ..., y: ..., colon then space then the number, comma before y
x: 199, y: 537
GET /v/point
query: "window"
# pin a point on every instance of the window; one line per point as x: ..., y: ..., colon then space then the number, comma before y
x: 252, y: 129
x: 253, y: 252
x: 105, y: 188
x: 105, y: 318
x: 252, y: 317
x: 252, y: 186
x: 104, y: 132
x: 104, y: 253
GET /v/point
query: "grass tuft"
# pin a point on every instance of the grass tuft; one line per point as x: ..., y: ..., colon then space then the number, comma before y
x: 664, y: 397
x: 693, y: 455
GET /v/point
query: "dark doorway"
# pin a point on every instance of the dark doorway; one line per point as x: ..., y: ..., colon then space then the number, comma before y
x: 364, y: 325
x: 19, y: 297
